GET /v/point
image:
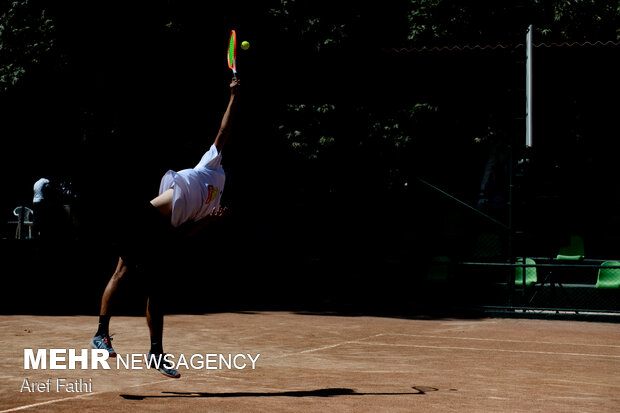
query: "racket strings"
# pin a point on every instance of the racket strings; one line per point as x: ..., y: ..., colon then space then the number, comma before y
x: 232, y: 50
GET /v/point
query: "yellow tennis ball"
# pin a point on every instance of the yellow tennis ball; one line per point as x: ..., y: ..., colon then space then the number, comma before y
x: 245, y: 45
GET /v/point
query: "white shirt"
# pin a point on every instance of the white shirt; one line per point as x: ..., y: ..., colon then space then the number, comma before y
x: 197, y: 191
x: 38, y: 190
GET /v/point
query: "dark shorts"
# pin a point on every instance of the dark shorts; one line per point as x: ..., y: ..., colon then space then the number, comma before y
x: 144, y: 238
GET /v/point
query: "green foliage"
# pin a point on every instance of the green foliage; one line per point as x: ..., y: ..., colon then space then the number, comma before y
x: 492, y: 22
x: 432, y: 19
x: 351, y: 138
x: 308, y: 128
x: 396, y: 130
x: 26, y: 37
x: 316, y: 25
x: 392, y: 135
x: 584, y: 19
x: 318, y: 130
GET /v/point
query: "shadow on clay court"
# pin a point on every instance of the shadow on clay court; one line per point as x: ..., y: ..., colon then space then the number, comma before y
x: 419, y: 390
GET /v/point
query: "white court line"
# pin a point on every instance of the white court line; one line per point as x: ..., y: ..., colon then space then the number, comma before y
x: 588, y: 383
x: 361, y: 341
x: 554, y: 353
x: 501, y: 340
x: 311, y: 350
x: 338, y: 344
x: 28, y: 406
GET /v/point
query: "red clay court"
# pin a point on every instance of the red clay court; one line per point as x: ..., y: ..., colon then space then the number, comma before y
x: 331, y: 363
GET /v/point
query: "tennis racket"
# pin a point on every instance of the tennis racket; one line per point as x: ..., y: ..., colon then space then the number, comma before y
x: 232, y: 52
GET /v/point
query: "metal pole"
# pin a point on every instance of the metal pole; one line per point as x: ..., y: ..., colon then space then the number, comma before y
x: 511, y: 280
x: 528, y: 88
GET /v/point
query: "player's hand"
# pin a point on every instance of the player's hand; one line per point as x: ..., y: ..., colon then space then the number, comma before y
x: 235, y: 84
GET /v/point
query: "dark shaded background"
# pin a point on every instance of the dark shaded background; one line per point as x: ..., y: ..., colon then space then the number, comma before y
x: 139, y: 88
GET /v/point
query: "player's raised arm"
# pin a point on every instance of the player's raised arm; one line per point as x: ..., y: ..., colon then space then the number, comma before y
x: 227, y: 119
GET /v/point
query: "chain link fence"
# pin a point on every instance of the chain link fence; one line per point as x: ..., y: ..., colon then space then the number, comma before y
x: 503, y: 268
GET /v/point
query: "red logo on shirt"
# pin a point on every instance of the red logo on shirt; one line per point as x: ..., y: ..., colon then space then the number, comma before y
x: 211, y: 194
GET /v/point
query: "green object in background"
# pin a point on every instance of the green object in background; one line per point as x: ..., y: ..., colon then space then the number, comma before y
x: 531, y: 275
x: 574, y: 251
x: 569, y: 257
x: 609, y: 278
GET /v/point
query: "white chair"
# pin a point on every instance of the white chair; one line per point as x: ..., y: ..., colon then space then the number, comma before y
x: 24, y: 217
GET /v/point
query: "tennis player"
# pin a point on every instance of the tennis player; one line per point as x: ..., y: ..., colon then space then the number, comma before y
x: 187, y: 199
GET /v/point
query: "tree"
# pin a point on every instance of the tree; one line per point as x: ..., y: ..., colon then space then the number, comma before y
x: 441, y: 22
x: 26, y: 38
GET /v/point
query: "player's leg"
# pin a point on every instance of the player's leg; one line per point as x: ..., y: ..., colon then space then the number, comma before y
x: 111, y: 287
x: 155, y: 321
x: 102, y: 339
